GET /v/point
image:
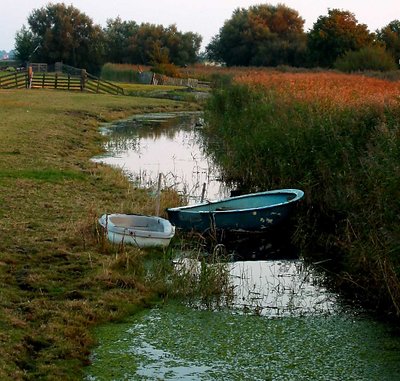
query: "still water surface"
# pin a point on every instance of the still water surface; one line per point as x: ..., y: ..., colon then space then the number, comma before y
x: 283, y: 324
x: 167, y: 144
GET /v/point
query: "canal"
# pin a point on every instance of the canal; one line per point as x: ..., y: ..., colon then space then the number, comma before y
x: 282, y: 323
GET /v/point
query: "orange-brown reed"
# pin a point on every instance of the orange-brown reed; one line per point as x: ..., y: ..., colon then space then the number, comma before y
x: 334, y: 89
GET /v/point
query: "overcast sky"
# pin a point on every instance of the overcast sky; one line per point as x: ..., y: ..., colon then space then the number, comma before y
x: 204, y: 17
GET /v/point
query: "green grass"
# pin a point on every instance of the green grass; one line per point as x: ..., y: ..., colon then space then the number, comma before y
x: 134, y: 88
x: 59, y: 276
x: 52, y: 176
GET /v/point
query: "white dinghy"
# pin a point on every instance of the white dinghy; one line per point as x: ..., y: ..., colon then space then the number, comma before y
x: 136, y: 229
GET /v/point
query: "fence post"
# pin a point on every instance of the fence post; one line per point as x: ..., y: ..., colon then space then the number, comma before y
x: 30, y: 77
x: 56, y: 81
x: 83, y: 79
x: 158, y: 199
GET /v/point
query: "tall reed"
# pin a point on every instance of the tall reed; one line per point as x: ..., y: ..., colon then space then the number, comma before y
x: 346, y: 159
x: 121, y: 72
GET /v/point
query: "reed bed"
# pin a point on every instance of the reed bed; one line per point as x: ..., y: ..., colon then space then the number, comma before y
x: 337, y: 137
x: 332, y: 89
x: 122, y: 72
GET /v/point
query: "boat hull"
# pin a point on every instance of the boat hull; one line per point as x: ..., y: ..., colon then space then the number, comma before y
x: 138, y: 230
x: 254, y: 212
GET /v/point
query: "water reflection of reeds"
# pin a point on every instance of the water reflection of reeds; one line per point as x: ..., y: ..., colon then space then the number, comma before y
x: 279, y: 288
x: 270, y: 288
x: 146, y: 146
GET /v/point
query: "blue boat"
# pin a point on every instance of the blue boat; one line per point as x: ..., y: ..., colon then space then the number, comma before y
x: 254, y: 212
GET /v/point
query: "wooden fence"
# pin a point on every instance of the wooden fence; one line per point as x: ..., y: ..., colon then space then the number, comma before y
x: 14, y: 80
x: 60, y: 81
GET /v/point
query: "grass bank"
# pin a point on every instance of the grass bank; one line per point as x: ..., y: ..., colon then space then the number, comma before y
x: 58, y: 275
x: 129, y: 78
x: 338, y: 139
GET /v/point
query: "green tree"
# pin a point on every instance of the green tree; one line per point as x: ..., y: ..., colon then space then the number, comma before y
x: 262, y: 35
x: 144, y: 42
x: 117, y: 35
x: 335, y: 34
x: 152, y: 44
x: 25, y: 45
x: 65, y: 34
x: 390, y: 36
x: 183, y: 48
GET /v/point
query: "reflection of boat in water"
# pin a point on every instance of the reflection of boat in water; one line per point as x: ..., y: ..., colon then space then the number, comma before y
x: 274, y: 244
x: 135, y: 229
x: 261, y: 247
x: 254, y: 212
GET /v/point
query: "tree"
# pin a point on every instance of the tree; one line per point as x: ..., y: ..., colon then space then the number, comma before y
x: 144, y: 43
x: 117, y: 36
x: 152, y: 44
x: 335, y: 34
x: 25, y: 45
x: 183, y: 48
x: 263, y: 35
x: 65, y: 34
x: 390, y: 36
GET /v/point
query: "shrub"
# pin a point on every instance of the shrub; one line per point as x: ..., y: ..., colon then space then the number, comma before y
x: 168, y: 69
x: 367, y: 58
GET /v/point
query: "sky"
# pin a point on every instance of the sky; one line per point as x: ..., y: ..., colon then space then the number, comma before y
x: 204, y: 17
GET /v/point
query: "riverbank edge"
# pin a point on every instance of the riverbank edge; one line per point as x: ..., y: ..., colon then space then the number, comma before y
x: 59, y: 277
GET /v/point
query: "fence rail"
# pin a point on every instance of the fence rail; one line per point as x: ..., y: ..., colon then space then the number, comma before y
x: 14, y: 80
x: 98, y: 85
x: 60, y: 81
x: 55, y: 81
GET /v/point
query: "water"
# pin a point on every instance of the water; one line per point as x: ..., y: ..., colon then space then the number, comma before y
x: 280, y: 288
x: 175, y: 342
x: 145, y: 146
x: 282, y: 323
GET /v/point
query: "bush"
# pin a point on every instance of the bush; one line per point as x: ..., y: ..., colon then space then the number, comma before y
x: 368, y: 58
x: 168, y: 69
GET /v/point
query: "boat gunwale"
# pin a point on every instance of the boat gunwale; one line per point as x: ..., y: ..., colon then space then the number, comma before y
x: 191, y: 208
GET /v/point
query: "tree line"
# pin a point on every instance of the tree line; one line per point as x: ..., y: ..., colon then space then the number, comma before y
x: 261, y: 35
x: 62, y: 33
x: 268, y: 35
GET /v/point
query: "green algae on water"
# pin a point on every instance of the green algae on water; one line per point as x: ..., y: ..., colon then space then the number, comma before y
x: 175, y: 342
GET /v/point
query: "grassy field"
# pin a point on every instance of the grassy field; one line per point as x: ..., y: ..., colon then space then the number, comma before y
x: 58, y: 275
